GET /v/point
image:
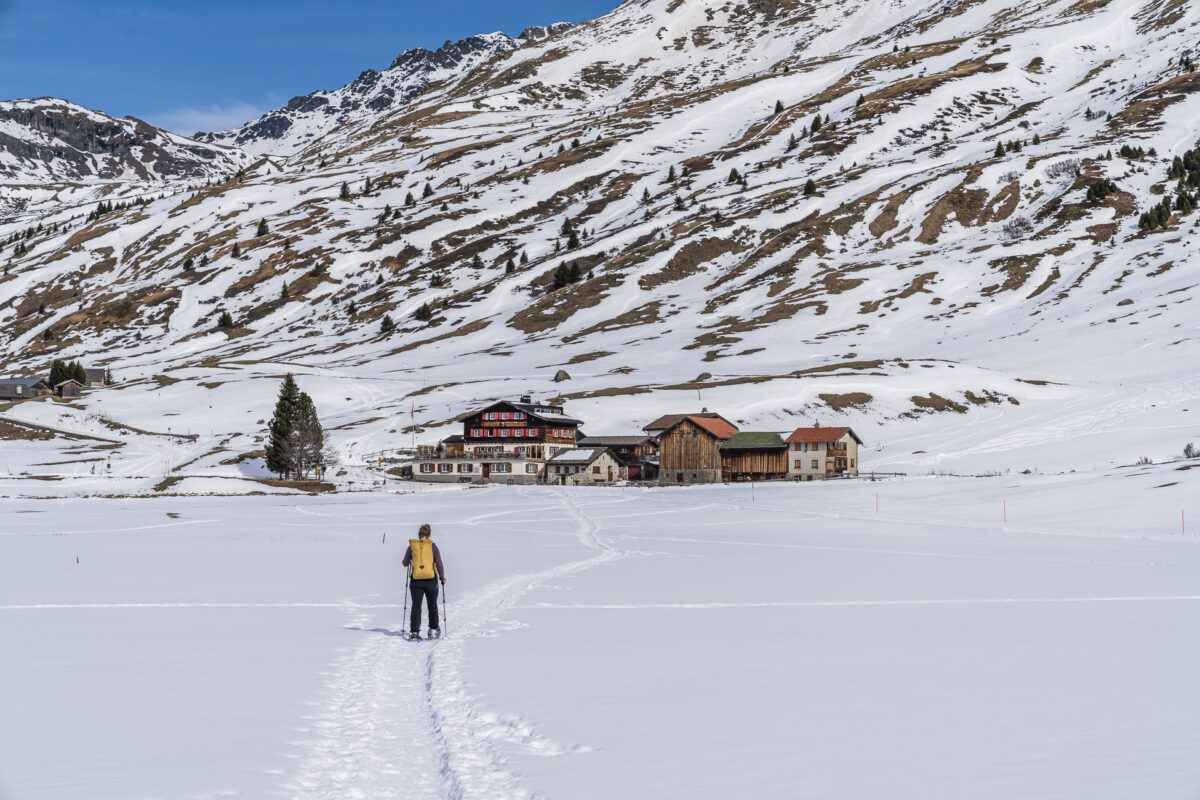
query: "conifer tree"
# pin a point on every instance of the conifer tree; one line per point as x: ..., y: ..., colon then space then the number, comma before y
x: 387, y: 212
x: 999, y: 152
x: 226, y: 320
x: 187, y: 264
x: 671, y: 174
x: 424, y: 313
x: 409, y: 200
x: 477, y: 262
x: 510, y: 267
x: 344, y: 194
x: 387, y: 325
x: 77, y: 372
x: 679, y: 205
x: 287, y: 409
x: 524, y: 258
x: 58, y: 372
x: 734, y: 176
x: 792, y: 143
x: 237, y: 251
x: 573, y: 273
x: 778, y: 106
x: 573, y: 242
x: 263, y: 230
x: 810, y: 187
x: 367, y: 185
x: 816, y: 123
x: 645, y: 196
x: 428, y: 192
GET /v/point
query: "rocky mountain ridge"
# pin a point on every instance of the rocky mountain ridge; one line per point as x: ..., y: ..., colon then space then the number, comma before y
x: 307, y: 118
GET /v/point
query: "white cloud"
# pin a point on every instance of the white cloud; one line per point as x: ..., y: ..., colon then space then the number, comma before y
x: 186, y: 121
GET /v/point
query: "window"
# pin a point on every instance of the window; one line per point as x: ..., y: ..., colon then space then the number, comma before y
x: 466, y: 467
x: 504, y: 433
x: 20, y: 389
x: 570, y: 434
x: 814, y: 463
x: 445, y: 467
x: 596, y: 470
x: 427, y: 468
x: 519, y: 415
x: 531, y: 469
x: 852, y: 463
x: 798, y: 464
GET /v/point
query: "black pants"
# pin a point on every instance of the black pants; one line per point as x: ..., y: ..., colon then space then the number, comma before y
x: 427, y: 588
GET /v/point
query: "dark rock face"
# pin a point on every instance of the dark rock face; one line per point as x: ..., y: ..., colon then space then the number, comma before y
x: 536, y: 33
x: 75, y: 143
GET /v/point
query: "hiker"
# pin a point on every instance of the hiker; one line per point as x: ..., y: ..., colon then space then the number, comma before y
x: 424, y: 564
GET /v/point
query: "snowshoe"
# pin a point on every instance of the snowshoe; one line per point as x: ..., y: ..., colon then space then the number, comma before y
x: 414, y: 637
x: 434, y: 633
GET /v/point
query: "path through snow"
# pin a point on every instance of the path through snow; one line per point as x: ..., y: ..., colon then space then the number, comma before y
x: 400, y: 723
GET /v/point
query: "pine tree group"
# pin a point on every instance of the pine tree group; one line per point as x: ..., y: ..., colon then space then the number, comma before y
x: 62, y: 371
x: 296, y: 440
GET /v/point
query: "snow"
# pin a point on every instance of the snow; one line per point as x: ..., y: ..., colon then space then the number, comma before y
x: 701, y: 642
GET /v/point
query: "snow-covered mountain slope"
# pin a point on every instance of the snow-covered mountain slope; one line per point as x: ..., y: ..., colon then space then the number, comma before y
x: 945, y: 283
x: 55, y: 155
x: 372, y: 95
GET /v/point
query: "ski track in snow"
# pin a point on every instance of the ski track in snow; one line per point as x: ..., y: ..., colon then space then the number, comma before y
x: 399, y: 722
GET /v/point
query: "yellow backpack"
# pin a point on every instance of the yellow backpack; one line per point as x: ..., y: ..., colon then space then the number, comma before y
x: 422, y: 565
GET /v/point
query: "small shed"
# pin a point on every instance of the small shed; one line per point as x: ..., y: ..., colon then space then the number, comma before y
x: 754, y: 456
x: 584, y: 467
x: 96, y: 376
x: 23, y: 388
x: 69, y: 388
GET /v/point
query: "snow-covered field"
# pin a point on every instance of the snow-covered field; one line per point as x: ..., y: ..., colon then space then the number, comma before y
x: 730, y: 641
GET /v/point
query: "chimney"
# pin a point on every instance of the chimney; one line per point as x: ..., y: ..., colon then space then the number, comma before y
x: 527, y: 399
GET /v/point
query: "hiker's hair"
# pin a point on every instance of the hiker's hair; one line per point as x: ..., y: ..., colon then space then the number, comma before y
x: 425, y: 532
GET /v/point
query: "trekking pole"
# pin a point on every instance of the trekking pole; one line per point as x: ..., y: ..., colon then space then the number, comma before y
x: 405, y: 598
x: 443, y: 608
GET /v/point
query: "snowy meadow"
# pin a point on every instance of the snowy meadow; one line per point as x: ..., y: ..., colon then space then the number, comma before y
x: 1024, y: 636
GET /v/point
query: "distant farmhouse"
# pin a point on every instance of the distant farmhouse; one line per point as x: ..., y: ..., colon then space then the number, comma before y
x: 23, y: 388
x: 817, y: 453
x: 505, y: 442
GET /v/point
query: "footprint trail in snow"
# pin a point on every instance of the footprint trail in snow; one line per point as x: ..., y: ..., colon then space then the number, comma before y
x: 399, y: 723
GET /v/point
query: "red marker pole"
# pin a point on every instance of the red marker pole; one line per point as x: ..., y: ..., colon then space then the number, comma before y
x: 1005, y: 512
x: 877, y: 502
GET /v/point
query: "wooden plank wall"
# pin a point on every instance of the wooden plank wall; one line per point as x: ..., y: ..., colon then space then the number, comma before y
x: 762, y: 462
x: 688, y: 446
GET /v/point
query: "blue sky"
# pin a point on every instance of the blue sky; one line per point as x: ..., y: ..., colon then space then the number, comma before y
x: 213, y: 64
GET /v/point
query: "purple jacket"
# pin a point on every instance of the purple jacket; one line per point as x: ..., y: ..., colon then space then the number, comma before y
x: 437, y: 559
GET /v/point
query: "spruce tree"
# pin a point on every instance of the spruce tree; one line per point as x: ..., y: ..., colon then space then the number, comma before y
x: 387, y: 212
x: 573, y: 242
x: 645, y: 196
x: 810, y: 187
x: 187, y: 264
x: 306, y: 439
x: 792, y: 143
x: 77, y: 372
x: 428, y: 191
x: 263, y: 230
x: 367, y: 186
x: 344, y: 194
x: 999, y: 151
x: 816, y: 123
x: 237, y: 251
x: 778, y: 106
x: 510, y: 267
x: 671, y: 174
x: 477, y: 262
x: 226, y: 320
x: 679, y: 205
x: 58, y: 372
x: 424, y: 313
x: 287, y: 409
x: 524, y: 258
x: 387, y: 325
x: 573, y: 273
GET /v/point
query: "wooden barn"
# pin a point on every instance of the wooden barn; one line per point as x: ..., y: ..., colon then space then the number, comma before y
x: 754, y: 457
x: 69, y: 388
x: 689, y: 450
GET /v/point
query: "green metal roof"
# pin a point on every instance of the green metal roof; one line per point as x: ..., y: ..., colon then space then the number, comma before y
x: 747, y: 441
